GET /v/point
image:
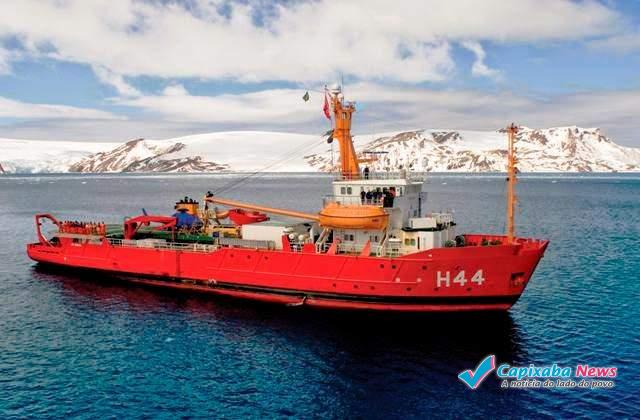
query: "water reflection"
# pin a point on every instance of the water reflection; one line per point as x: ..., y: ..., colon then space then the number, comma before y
x: 467, y: 336
x: 363, y: 363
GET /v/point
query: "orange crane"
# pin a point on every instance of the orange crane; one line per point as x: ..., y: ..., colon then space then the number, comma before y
x: 333, y: 215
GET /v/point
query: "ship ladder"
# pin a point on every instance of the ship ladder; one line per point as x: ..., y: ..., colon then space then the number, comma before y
x: 320, y: 243
x: 383, y: 244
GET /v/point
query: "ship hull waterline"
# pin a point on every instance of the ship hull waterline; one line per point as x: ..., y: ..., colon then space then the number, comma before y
x: 474, y: 278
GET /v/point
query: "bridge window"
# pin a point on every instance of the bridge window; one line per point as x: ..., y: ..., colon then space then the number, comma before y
x: 349, y: 190
x: 343, y: 190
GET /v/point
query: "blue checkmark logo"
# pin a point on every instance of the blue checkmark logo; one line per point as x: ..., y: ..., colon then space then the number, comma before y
x: 473, y: 379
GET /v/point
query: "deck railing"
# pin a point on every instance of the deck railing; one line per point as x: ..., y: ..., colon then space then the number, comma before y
x: 348, y: 248
x: 176, y: 246
x: 411, y: 176
x: 345, y: 199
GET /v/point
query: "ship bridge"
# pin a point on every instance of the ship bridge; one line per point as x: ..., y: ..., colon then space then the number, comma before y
x: 400, y: 194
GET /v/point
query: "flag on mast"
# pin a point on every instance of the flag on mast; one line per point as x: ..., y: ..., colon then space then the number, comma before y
x: 325, y: 108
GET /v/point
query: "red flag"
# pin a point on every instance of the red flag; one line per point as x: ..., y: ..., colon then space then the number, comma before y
x: 325, y: 108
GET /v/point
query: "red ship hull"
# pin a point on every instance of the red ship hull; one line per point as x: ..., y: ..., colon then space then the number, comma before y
x: 470, y: 278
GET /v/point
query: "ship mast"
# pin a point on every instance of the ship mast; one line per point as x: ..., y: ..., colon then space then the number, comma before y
x: 342, y: 112
x: 512, y: 130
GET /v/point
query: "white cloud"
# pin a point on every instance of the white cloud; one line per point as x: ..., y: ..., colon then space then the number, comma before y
x: 479, y: 68
x: 613, y: 111
x: 381, y: 44
x: 623, y: 43
x: 110, y: 78
x: 6, y: 57
x: 384, y: 108
x: 10, y: 108
x: 175, y: 90
x: 97, y: 130
x: 275, y: 106
x: 302, y: 41
x: 380, y: 108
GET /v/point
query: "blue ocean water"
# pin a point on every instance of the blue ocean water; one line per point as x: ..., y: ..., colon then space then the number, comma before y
x: 84, y: 346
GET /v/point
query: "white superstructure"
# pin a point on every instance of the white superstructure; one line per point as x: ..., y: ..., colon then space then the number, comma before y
x: 410, y: 227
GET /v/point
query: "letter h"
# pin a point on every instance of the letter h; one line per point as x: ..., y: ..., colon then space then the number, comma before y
x: 440, y: 278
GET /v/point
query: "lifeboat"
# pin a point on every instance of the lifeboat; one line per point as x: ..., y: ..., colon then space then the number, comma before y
x: 339, y: 216
x: 241, y: 217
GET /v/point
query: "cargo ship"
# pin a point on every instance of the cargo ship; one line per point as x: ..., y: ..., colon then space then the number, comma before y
x: 373, y: 245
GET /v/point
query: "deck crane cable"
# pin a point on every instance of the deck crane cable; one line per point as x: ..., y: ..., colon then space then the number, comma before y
x: 263, y: 171
x: 289, y: 156
x: 237, y: 182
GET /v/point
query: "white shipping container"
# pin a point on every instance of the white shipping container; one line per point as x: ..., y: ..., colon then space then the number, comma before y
x: 423, y: 222
x: 264, y: 232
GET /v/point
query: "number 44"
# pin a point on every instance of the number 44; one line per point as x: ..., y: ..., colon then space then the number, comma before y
x: 443, y: 279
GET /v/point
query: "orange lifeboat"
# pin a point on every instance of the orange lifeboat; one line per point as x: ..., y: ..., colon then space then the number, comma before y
x: 339, y: 216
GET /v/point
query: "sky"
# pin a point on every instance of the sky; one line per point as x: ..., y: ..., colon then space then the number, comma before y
x: 114, y: 70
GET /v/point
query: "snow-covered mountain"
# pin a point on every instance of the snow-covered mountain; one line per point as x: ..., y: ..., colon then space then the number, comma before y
x: 236, y: 150
x: 212, y: 152
x: 571, y: 149
x: 145, y: 156
x: 39, y: 156
x: 540, y: 150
